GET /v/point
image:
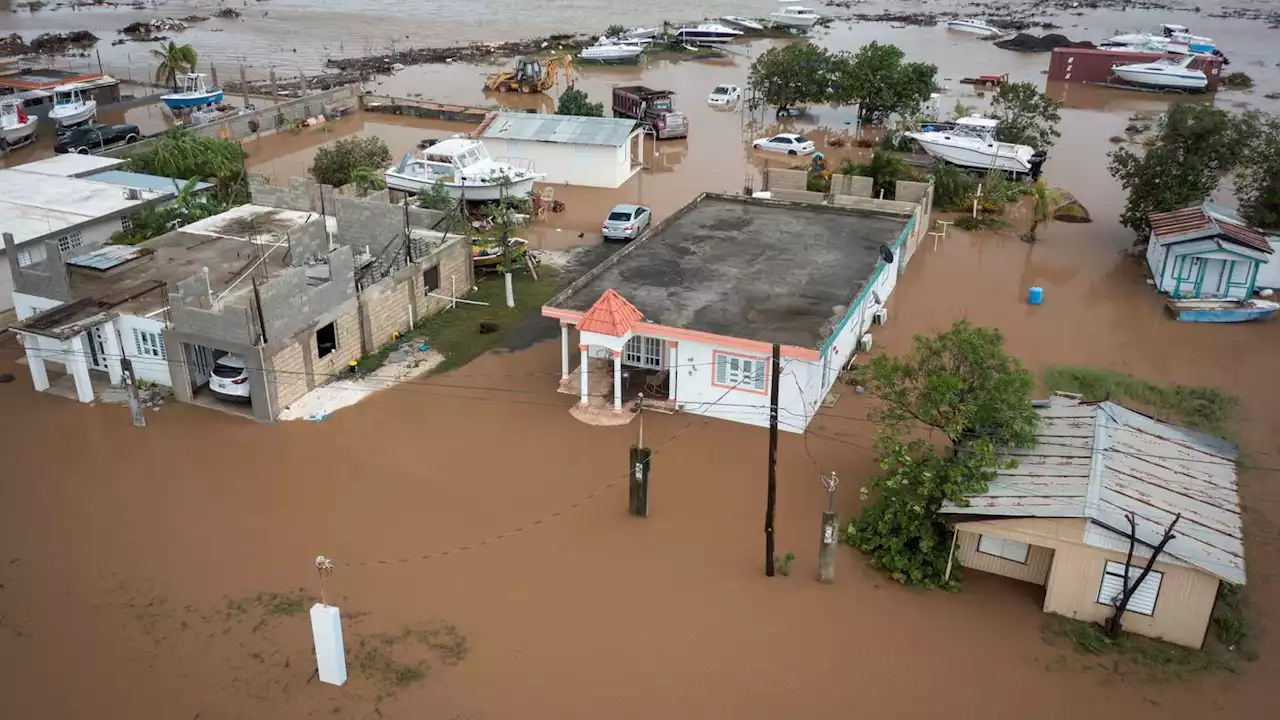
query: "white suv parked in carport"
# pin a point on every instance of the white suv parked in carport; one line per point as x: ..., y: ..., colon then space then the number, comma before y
x: 229, y: 379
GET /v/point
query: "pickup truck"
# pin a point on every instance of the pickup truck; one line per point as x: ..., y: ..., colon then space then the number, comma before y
x: 651, y: 107
x: 96, y: 136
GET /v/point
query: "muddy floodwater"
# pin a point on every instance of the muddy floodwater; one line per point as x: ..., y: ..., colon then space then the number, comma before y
x: 148, y: 572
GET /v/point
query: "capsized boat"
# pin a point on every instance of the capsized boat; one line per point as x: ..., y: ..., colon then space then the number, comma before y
x: 794, y: 16
x: 971, y: 142
x: 1167, y: 73
x: 739, y: 21
x: 16, y: 126
x: 707, y: 34
x: 461, y: 166
x: 194, y: 93
x: 70, y: 106
x: 1221, y: 311
x: 974, y: 27
x: 1167, y: 30
x: 611, y: 50
x: 489, y: 253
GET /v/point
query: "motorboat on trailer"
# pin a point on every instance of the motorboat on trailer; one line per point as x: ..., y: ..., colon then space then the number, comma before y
x: 16, y: 126
x: 707, y: 34
x: 462, y: 167
x: 970, y: 142
x: 70, y: 107
x: 194, y: 93
x: 739, y: 21
x: 1173, y: 72
x: 974, y: 27
x: 795, y: 16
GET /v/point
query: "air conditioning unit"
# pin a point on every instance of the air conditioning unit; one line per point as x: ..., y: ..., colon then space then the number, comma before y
x: 864, y: 342
x: 880, y: 317
x: 132, y: 194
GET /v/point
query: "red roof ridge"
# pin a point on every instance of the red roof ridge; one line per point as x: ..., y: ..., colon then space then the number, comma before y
x: 611, y: 315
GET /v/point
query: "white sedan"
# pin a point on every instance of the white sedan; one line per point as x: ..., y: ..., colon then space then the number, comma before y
x: 789, y: 143
x: 724, y: 95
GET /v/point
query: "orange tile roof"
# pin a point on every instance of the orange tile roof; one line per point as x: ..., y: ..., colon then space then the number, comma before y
x: 610, y: 315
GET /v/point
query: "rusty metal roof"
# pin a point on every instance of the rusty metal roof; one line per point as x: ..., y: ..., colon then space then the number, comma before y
x: 1194, y: 223
x: 1103, y: 461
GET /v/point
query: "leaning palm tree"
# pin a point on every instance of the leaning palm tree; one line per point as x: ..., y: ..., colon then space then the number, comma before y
x: 367, y: 180
x: 174, y: 59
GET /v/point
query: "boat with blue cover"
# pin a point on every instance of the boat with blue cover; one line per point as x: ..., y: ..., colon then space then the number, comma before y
x: 194, y: 93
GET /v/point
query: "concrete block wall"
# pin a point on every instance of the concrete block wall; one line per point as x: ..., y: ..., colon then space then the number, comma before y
x: 296, y: 365
x: 309, y: 242
x: 386, y: 307
x: 907, y: 191
x: 290, y: 302
x: 798, y: 196
x: 399, y: 301
x: 298, y: 194
x: 363, y: 223
x: 855, y: 185
x: 788, y: 179
x: 865, y: 203
x: 190, y: 314
x: 287, y: 377
x: 456, y: 273
x: 47, y: 278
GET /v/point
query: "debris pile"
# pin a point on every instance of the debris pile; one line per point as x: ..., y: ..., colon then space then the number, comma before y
x: 472, y: 53
x: 47, y: 43
x: 152, y: 27
x: 227, y: 14
x: 1024, y: 42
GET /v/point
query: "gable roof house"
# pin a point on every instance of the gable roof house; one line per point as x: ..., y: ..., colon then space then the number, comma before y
x: 1059, y: 519
x: 1202, y: 252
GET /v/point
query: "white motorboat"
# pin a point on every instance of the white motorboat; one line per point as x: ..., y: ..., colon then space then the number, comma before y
x: 1167, y: 31
x: 70, y: 106
x: 707, y: 34
x: 611, y: 50
x: 974, y: 27
x: 739, y: 21
x: 641, y: 33
x: 465, y: 170
x: 16, y: 126
x: 1196, y: 44
x: 794, y: 16
x: 1167, y: 73
x: 970, y: 142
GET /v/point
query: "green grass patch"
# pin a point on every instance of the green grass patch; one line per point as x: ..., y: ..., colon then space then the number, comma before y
x: 374, y: 659
x: 376, y: 656
x: 1205, y: 409
x: 293, y: 602
x: 981, y: 222
x: 1231, y: 622
x: 1128, y: 654
x: 456, y: 333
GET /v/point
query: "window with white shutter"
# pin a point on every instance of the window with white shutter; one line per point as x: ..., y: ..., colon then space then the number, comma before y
x: 149, y: 344
x: 1002, y: 548
x: 1143, y: 601
x: 740, y: 371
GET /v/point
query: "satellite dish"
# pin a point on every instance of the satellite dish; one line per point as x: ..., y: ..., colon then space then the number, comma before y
x: 886, y: 254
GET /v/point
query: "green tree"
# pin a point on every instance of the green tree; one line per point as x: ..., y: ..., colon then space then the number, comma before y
x: 790, y: 75
x: 336, y: 164
x: 173, y: 60
x: 962, y: 383
x: 1027, y: 116
x: 436, y: 197
x: 881, y: 84
x: 953, y: 188
x: 1196, y: 146
x: 367, y: 179
x: 182, y: 154
x: 1258, y: 180
x: 575, y: 102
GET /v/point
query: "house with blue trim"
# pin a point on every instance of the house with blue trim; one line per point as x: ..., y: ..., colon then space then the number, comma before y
x: 1205, y: 252
x: 691, y: 312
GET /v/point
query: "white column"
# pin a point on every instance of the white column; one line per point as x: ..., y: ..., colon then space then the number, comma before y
x: 112, y: 351
x: 35, y: 361
x: 617, y: 381
x: 326, y: 632
x: 674, y: 370
x: 564, y: 352
x: 583, y: 374
x: 78, y: 367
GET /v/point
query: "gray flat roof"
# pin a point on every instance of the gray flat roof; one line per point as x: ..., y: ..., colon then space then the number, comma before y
x: 762, y: 270
x: 34, y: 205
x: 142, y: 181
x: 569, y: 129
x: 71, y: 165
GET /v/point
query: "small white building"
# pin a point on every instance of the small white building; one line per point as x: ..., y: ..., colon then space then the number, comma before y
x: 1201, y: 252
x: 569, y: 150
x: 689, y: 313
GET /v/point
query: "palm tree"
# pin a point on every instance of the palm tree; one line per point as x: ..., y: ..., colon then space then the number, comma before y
x: 174, y: 59
x: 367, y: 180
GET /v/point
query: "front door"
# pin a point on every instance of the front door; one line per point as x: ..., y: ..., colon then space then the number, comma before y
x: 644, y: 352
x: 97, y: 349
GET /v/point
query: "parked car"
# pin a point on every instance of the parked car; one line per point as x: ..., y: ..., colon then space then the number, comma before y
x: 789, y: 143
x: 229, y: 380
x: 724, y: 95
x: 96, y: 136
x: 626, y: 222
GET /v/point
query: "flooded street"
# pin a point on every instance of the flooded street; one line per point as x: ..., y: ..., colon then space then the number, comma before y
x: 127, y: 555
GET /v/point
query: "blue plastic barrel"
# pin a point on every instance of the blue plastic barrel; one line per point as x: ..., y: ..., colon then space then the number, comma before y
x: 1036, y: 295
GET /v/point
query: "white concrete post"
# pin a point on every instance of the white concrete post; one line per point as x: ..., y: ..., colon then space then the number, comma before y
x: 35, y: 361
x: 112, y: 350
x: 582, y: 371
x: 674, y: 374
x: 564, y: 352
x: 617, y: 381
x: 78, y: 367
x: 326, y: 630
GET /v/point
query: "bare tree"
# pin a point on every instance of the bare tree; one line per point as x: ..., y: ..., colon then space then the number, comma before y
x: 1121, y: 601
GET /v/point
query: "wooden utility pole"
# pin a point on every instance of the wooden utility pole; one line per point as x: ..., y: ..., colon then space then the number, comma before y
x: 131, y: 392
x: 776, y: 374
x: 638, y: 485
x: 244, y: 87
x: 830, y: 531
x: 1127, y: 590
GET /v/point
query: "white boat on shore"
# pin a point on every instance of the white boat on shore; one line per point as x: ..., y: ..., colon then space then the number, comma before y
x: 70, y: 106
x: 974, y: 27
x: 739, y: 21
x: 970, y: 142
x: 707, y: 34
x: 611, y: 50
x: 1167, y: 31
x: 794, y: 16
x: 16, y: 126
x: 462, y: 166
x: 1167, y: 73
x: 641, y: 33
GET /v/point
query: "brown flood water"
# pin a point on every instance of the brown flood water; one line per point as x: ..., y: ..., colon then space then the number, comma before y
x: 120, y: 547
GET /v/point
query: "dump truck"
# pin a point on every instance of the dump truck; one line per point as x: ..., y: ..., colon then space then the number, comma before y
x: 651, y: 107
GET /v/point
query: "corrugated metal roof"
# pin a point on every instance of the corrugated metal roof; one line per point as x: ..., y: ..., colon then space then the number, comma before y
x: 108, y: 257
x: 142, y: 181
x: 1196, y: 222
x: 558, y: 129
x: 1102, y: 461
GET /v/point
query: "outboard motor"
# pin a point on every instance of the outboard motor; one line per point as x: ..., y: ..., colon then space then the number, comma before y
x: 1037, y: 164
x: 1218, y: 54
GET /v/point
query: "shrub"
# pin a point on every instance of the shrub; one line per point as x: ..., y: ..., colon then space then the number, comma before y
x: 336, y: 164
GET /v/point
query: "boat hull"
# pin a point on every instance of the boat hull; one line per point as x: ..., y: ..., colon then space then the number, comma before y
x: 803, y: 23
x: 1221, y: 311
x: 615, y: 55
x: 180, y: 101
x: 970, y: 158
x: 1161, y: 80
x: 475, y: 192
x: 972, y: 29
x: 66, y: 116
x: 19, y: 134
x: 743, y: 23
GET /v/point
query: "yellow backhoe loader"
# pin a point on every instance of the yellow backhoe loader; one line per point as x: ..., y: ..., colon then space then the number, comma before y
x: 531, y: 75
